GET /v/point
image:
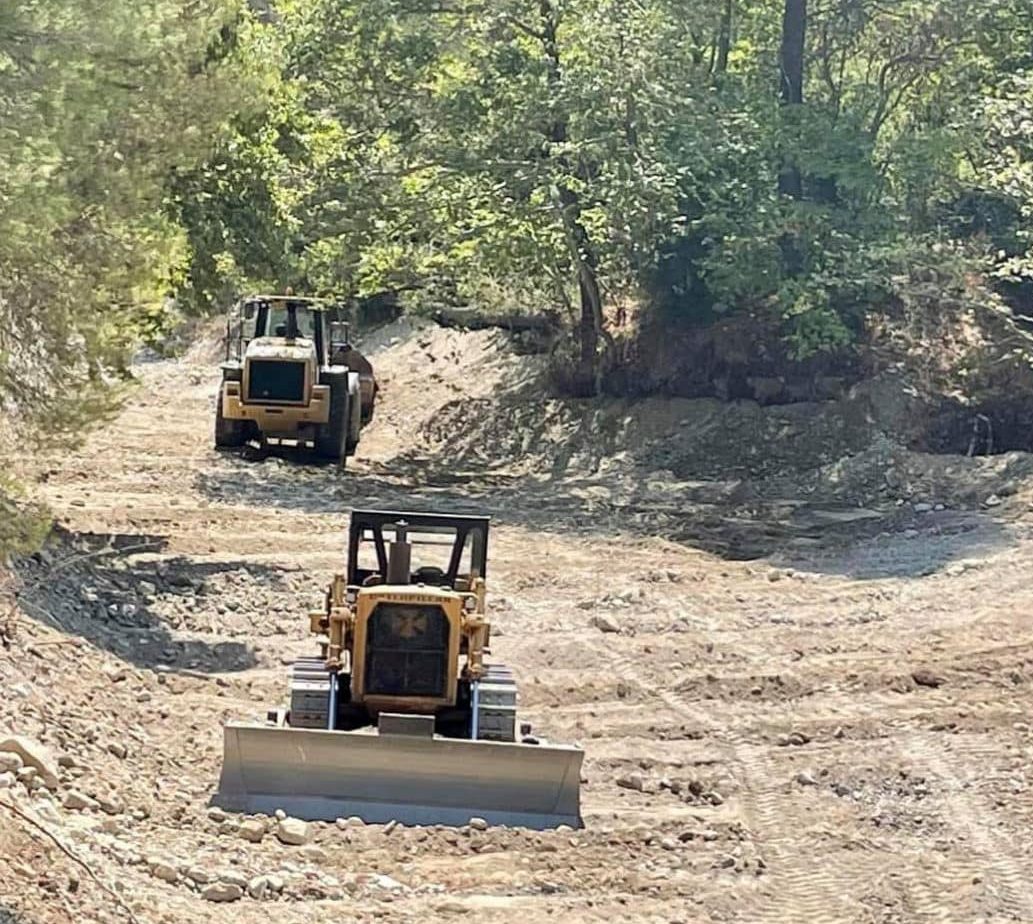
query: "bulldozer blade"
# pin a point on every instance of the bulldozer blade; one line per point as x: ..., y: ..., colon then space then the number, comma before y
x: 324, y: 775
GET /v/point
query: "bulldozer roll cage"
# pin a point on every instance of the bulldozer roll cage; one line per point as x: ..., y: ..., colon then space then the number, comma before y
x: 370, y: 526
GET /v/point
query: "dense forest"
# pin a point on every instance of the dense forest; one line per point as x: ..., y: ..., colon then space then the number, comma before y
x: 842, y: 180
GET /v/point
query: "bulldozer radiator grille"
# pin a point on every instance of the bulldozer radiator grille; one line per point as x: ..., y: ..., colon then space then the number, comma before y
x: 274, y: 380
x: 407, y: 651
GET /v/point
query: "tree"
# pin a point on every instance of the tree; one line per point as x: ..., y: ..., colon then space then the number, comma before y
x: 592, y: 155
x: 724, y: 37
x: 99, y: 106
x: 791, y: 81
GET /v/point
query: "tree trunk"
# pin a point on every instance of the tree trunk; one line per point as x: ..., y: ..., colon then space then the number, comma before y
x: 579, y: 241
x: 724, y: 38
x: 794, y: 33
x: 591, y: 323
x: 471, y: 319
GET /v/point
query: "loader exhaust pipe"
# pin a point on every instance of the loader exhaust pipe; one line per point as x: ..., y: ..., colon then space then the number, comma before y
x: 399, y: 561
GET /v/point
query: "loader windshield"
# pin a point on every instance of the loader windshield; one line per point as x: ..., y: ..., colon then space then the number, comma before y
x: 271, y: 317
x: 278, y: 323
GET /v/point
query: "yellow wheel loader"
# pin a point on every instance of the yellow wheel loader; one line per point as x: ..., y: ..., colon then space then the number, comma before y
x: 401, y: 717
x: 291, y: 373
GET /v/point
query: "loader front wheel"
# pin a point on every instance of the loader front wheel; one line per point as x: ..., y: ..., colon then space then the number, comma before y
x: 229, y: 434
x: 331, y: 441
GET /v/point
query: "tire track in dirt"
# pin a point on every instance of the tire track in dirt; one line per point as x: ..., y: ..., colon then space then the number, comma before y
x: 825, y: 858
x: 994, y: 863
x: 811, y: 879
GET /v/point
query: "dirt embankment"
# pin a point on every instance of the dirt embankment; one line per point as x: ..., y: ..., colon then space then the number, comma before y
x: 797, y: 656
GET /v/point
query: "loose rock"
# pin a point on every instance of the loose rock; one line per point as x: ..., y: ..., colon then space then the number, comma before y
x: 926, y: 678
x: 199, y: 875
x: 10, y: 762
x: 258, y: 888
x: 110, y: 806
x: 292, y: 831
x: 75, y: 800
x: 165, y: 872
x: 605, y: 625
x: 252, y: 830
x: 633, y: 781
x: 222, y: 892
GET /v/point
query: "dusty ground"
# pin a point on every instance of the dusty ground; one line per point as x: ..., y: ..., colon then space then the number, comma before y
x: 801, y: 709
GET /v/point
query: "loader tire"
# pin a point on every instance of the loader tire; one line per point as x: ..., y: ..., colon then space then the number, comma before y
x: 331, y: 441
x: 229, y: 434
x: 354, y: 413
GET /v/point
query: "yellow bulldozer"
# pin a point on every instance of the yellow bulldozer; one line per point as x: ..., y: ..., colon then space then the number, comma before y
x: 402, y: 716
x: 291, y: 374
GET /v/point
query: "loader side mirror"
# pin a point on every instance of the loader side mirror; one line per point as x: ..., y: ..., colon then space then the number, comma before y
x: 340, y: 335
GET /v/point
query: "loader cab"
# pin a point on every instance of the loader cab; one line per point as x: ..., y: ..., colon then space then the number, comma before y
x: 286, y: 318
x: 284, y: 378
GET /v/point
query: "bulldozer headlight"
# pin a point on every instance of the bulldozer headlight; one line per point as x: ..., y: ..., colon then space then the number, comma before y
x: 351, y: 595
x: 469, y: 604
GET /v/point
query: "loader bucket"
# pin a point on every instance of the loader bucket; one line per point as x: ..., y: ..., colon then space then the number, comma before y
x: 323, y: 775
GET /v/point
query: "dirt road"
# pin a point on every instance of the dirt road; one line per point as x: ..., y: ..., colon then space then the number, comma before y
x: 831, y: 733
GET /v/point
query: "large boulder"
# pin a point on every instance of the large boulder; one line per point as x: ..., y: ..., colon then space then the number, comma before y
x: 33, y: 754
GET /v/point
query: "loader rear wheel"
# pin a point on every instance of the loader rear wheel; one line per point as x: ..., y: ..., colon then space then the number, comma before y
x: 354, y: 414
x: 229, y: 434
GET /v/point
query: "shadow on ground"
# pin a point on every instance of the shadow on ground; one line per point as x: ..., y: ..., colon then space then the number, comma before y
x: 919, y: 546
x: 719, y: 517
x: 110, y: 590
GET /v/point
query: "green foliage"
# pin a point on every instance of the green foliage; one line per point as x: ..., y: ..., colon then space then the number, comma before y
x: 814, y: 326
x: 100, y: 103
x: 504, y: 153
x: 497, y: 150
x: 23, y: 525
